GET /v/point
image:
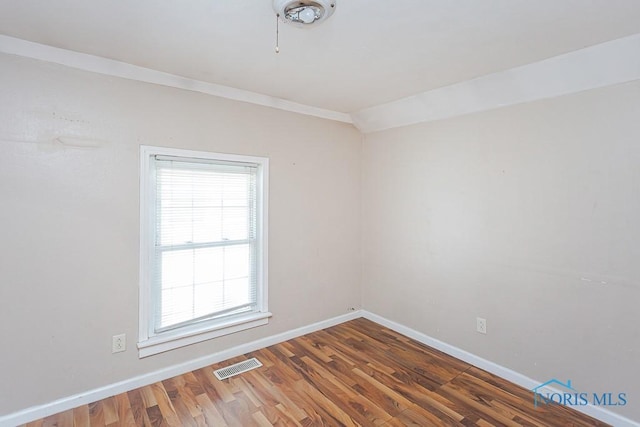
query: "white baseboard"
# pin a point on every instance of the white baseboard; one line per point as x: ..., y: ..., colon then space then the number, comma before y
x: 599, y: 413
x: 64, y: 404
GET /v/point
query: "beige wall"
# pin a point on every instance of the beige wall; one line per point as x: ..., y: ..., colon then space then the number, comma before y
x: 70, y: 220
x: 527, y: 216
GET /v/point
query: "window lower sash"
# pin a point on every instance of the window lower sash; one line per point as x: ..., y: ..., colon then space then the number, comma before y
x: 187, y: 246
x: 210, y: 316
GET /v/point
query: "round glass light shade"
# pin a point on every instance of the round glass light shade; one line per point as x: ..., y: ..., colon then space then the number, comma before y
x: 307, y: 15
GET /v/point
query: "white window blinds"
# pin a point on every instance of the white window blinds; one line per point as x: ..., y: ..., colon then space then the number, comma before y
x: 204, y: 264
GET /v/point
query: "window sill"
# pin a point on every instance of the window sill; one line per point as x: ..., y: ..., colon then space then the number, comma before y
x: 175, y: 339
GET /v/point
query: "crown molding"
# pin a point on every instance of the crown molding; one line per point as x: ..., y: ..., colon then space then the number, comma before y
x: 605, y: 64
x: 110, y: 67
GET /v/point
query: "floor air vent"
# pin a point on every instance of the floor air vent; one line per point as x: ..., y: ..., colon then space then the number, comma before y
x: 238, y: 368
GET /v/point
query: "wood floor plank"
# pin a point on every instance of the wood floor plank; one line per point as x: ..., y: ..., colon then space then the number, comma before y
x: 169, y: 415
x: 179, y: 402
x: 247, y: 391
x: 281, y: 397
x: 416, y: 416
x: 51, y: 421
x: 354, y: 374
x: 478, y: 403
x: 155, y: 417
x: 109, y: 410
x: 211, y: 414
x: 124, y: 412
x: 148, y: 397
x: 96, y: 414
x: 321, y: 409
x: 206, y: 378
x: 416, y: 357
x: 138, y: 408
x: 412, y: 389
x: 352, y: 403
x: 261, y: 420
x: 81, y: 416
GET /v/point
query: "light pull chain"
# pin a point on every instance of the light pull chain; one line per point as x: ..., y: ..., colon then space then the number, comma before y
x: 277, y: 33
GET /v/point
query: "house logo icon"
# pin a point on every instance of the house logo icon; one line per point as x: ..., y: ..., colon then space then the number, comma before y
x: 538, y: 396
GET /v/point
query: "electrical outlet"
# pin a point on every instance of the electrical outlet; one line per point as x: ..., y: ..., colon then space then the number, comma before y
x: 481, y: 325
x: 118, y: 343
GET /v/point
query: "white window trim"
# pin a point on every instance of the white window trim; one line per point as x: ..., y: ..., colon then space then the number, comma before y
x: 149, y: 344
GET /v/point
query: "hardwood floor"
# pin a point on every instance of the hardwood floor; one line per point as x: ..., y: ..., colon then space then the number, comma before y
x: 354, y: 374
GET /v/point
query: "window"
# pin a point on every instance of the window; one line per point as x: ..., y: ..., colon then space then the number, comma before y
x: 203, y: 246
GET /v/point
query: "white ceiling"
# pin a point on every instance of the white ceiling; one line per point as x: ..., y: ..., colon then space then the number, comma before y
x: 369, y: 52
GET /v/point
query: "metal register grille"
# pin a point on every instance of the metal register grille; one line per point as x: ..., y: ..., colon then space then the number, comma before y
x: 238, y: 368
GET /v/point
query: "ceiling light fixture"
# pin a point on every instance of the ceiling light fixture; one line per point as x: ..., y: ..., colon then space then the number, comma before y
x: 301, y: 13
x: 304, y: 12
